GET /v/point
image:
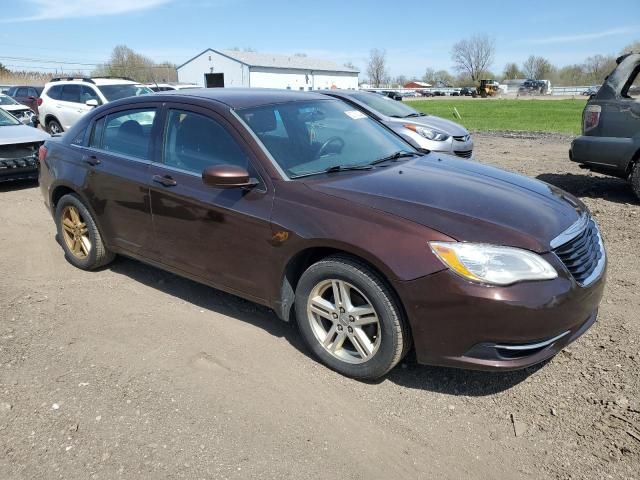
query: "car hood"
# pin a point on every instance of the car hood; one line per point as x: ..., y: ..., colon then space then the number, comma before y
x: 15, y: 108
x: 447, y: 126
x: 12, y: 134
x: 464, y: 200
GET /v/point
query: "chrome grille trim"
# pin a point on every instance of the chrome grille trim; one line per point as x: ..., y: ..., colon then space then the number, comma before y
x: 580, y: 256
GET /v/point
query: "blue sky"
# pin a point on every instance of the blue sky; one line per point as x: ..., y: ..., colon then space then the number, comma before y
x: 415, y: 35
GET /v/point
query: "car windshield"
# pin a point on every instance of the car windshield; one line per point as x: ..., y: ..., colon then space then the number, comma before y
x: 6, y: 100
x: 385, y: 105
x: 6, y: 119
x: 309, y: 137
x: 124, y: 90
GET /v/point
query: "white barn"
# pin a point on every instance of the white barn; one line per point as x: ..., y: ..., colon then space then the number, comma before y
x: 230, y: 68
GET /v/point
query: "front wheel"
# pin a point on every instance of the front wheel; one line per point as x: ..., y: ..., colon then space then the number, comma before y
x: 350, y: 319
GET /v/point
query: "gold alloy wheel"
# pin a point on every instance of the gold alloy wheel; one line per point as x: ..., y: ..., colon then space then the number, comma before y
x: 75, y: 232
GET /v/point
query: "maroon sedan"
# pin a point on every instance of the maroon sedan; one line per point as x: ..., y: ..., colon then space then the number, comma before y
x: 301, y: 203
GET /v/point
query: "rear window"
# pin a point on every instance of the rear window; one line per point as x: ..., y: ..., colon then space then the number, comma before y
x: 116, y: 92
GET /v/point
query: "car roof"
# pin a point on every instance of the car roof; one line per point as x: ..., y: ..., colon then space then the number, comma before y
x: 238, y: 98
x: 94, y: 81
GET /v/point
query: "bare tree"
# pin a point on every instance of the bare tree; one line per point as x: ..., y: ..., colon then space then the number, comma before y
x: 511, y: 71
x: 377, y: 67
x: 536, y: 68
x: 631, y: 48
x: 599, y: 66
x: 474, y: 55
x: 124, y: 62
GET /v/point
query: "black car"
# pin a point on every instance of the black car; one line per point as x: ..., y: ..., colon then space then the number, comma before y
x: 610, y: 143
x: 392, y: 94
x: 467, y: 91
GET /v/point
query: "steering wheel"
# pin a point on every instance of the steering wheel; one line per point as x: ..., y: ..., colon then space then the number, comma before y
x: 337, y: 140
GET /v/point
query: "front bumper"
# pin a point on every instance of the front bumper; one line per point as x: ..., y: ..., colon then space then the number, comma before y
x: 461, y: 146
x: 25, y: 168
x: 457, y: 323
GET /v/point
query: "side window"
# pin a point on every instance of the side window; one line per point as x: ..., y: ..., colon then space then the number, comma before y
x: 96, y: 134
x: 22, y: 92
x: 54, y: 92
x: 88, y: 93
x: 634, y: 88
x: 70, y: 93
x: 79, y: 138
x: 193, y: 142
x: 129, y: 132
x: 33, y: 92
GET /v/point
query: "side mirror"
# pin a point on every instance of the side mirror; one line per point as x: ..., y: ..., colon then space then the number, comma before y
x: 92, y: 102
x: 228, y: 176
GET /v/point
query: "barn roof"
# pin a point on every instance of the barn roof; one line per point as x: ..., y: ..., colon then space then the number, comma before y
x: 268, y: 60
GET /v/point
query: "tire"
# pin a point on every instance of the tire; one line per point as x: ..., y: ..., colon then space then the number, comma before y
x: 635, y: 179
x: 81, y: 240
x: 364, y: 347
x: 53, y: 127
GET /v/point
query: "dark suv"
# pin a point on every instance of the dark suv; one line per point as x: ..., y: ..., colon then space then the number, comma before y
x: 610, y: 140
x: 303, y: 203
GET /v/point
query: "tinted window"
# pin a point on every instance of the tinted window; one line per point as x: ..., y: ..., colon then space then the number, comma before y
x: 88, y: 93
x: 22, y: 92
x: 33, y: 92
x: 70, y: 93
x: 634, y: 88
x: 385, y: 105
x: 129, y: 132
x: 79, y: 138
x: 116, y: 92
x: 96, y: 134
x: 7, y: 119
x: 55, y: 92
x: 194, y: 142
x: 307, y: 137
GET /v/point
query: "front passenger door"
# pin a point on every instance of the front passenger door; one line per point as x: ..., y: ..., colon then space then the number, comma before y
x: 220, y: 235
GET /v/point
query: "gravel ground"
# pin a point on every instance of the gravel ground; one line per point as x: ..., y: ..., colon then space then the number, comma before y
x: 131, y: 372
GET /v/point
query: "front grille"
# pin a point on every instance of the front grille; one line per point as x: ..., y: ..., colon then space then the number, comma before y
x: 583, y: 254
x: 463, y: 153
x: 15, y: 163
x: 461, y: 138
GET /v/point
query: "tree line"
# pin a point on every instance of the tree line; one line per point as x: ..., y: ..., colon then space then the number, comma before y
x: 473, y: 58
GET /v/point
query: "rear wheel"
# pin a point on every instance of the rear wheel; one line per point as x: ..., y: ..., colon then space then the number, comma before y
x: 350, y: 319
x: 635, y: 179
x: 79, y: 236
x: 53, y: 127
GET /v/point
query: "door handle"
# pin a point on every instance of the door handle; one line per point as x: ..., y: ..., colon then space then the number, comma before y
x: 165, y: 180
x: 91, y: 160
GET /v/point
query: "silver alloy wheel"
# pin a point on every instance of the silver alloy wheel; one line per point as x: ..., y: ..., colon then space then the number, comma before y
x: 54, y: 128
x: 344, y: 321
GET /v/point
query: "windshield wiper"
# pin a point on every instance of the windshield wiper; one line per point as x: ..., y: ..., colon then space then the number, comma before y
x: 396, y: 156
x: 336, y: 168
x: 415, y: 114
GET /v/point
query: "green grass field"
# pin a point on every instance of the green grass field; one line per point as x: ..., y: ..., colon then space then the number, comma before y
x: 482, y: 115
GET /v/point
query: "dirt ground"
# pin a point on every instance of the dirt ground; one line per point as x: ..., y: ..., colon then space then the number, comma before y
x: 131, y: 372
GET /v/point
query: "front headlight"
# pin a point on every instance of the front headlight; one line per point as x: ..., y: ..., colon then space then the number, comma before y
x: 428, y: 133
x: 492, y: 264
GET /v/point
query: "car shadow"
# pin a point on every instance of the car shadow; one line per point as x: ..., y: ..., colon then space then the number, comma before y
x: 208, y: 298
x: 453, y: 381
x: 408, y: 374
x: 15, y: 185
x: 609, y: 188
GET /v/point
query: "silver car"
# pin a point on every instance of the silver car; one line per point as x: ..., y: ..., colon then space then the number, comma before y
x: 19, y: 146
x: 420, y: 129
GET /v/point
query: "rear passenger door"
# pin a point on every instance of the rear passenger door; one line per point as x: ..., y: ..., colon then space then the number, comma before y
x: 118, y: 155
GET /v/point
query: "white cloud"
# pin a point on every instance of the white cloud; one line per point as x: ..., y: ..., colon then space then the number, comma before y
x: 580, y: 37
x: 55, y: 9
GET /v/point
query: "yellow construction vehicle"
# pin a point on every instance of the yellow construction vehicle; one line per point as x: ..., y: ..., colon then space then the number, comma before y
x: 487, y: 88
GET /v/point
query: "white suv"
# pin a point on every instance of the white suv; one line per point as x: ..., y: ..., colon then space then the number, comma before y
x: 65, y: 100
